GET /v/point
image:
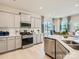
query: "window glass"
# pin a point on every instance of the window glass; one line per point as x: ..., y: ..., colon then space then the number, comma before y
x: 64, y: 25
x: 48, y: 28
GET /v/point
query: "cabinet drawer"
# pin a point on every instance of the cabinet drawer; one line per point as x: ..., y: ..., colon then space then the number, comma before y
x: 18, y: 37
x: 10, y: 38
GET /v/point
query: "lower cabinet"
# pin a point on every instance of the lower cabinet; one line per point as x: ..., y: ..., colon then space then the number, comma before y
x: 38, y: 38
x: 42, y: 38
x: 11, y: 43
x: 3, y: 45
x: 34, y: 39
x: 18, y: 42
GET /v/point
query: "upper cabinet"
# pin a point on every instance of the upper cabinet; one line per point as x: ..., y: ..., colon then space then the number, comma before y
x: 35, y: 22
x: 25, y: 18
x: 32, y: 22
x: 13, y: 20
x: 4, y: 19
x: 9, y: 20
x: 17, y: 20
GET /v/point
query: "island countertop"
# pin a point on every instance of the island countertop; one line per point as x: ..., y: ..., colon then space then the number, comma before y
x: 73, y: 54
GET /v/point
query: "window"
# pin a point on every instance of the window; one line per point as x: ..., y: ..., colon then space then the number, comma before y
x: 48, y: 28
x: 64, y: 25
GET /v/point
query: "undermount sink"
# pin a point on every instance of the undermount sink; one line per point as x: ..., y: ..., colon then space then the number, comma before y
x: 72, y: 44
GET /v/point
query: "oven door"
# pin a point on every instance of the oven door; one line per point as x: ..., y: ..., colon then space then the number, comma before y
x: 27, y: 41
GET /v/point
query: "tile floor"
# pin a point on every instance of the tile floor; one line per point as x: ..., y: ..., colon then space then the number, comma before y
x: 35, y: 52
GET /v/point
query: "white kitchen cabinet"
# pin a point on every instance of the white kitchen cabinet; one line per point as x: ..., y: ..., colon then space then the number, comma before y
x: 38, y: 39
x: 17, y: 20
x: 18, y: 42
x: 11, y: 20
x: 25, y: 18
x: 3, y: 45
x: 32, y: 22
x: 34, y: 39
x: 6, y: 19
x: 11, y: 43
x: 42, y: 40
x: 37, y: 22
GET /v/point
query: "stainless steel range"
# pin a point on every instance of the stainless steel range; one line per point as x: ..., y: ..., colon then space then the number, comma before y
x: 27, y: 39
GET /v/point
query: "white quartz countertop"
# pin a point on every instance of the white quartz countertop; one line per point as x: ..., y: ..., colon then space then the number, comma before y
x: 73, y: 54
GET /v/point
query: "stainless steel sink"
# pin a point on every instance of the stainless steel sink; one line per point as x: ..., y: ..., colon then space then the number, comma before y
x: 72, y: 44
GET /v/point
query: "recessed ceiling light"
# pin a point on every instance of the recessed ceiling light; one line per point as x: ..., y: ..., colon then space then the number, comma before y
x: 41, y: 8
x: 76, y: 5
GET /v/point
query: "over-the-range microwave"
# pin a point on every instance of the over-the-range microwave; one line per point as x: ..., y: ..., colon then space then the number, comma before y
x: 25, y: 25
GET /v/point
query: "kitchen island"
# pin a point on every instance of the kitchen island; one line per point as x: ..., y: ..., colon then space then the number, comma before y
x: 70, y: 52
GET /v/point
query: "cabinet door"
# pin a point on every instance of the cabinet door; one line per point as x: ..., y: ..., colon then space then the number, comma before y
x: 34, y: 39
x: 4, y: 19
x: 32, y: 22
x: 11, y: 20
x: 11, y: 43
x: 38, y: 39
x: 41, y: 38
x: 17, y: 20
x: 3, y: 45
x: 37, y: 23
x: 25, y: 18
x: 18, y: 42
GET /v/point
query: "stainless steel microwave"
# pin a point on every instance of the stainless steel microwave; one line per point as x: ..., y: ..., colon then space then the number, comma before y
x: 25, y: 25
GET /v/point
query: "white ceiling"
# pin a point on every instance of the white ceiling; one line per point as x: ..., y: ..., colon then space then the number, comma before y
x: 53, y: 8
